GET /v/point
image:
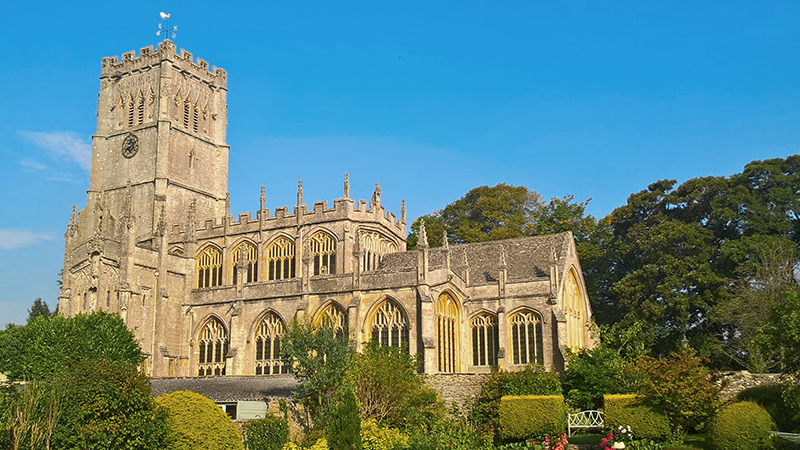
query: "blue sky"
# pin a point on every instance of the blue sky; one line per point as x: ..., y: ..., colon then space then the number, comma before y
x: 593, y: 99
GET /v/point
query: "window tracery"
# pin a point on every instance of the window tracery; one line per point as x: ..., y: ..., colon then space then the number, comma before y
x: 209, y: 268
x: 334, y: 316
x: 212, y: 346
x: 389, y: 325
x: 374, y: 246
x: 323, y: 251
x: 269, y: 332
x: 526, y: 337
x: 251, y: 262
x: 280, y: 259
x: 484, y: 339
x: 447, y: 333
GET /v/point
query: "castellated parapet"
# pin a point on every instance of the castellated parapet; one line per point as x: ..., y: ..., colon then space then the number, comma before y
x: 210, y: 294
x: 165, y: 51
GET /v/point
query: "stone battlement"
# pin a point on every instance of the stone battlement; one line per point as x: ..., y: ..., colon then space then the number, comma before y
x: 166, y: 50
x: 343, y: 209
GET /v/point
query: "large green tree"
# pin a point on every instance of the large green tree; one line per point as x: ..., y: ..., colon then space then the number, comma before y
x: 694, y: 260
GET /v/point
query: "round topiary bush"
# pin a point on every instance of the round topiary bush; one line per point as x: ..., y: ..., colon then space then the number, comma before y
x: 741, y: 426
x: 196, y: 422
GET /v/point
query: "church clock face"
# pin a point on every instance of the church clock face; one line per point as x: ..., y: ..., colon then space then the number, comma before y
x: 130, y: 146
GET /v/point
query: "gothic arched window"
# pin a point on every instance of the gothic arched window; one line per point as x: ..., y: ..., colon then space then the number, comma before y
x: 323, y: 250
x: 389, y: 325
x: 280, y: 259
x: 484, y: 339
x: 268, y: 346
x: 374, y: 246
x: 447, y: 333
x: 251, y: 261
x: 334, y: 316
x: 212, y: 346
x: 526, y: 337
x: 209, y: 268
x: 574, y: 311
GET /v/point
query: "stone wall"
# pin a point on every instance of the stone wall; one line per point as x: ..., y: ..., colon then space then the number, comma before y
x: 458, y: 388
x: 735, y: 382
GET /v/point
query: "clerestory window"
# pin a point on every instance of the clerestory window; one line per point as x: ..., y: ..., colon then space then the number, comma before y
x: 251, y: 262
x: 323, y: 250
x: 209, y: 268
x: 280, y: 259
x: 374, y: 247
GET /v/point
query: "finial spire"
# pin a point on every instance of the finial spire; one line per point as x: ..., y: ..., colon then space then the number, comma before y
x: 376, y: 196
x: 300, y: 192
x: 503, y: 264
x: 263, y: 197
x: 227, y: 204
x: 346, y: 185
x: 403, y: 210
x: 423, y: 235
x: 444, y: 240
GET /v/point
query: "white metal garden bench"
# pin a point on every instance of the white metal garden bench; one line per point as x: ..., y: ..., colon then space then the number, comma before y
x: 585, y: 419
x: 791, y: 437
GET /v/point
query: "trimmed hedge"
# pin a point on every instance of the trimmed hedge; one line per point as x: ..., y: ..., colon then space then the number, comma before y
x: 772, y: 399
x: 741, y: 426
x: 522, y: 416
x: 196, y: 422
x: 631, y: 410
x: 269, y: 433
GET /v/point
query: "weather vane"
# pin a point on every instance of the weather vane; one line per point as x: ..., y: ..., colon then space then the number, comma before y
x: 166, y: 30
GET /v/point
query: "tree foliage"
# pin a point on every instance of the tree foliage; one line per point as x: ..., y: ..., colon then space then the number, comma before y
x: 48, y: 346
x: 320, y: 361
x: 39, y: 308
x: 390, y: 389
x: 688, y: 260
x: 344, y: 427
x: 592, y: 373
x: 680, y: 386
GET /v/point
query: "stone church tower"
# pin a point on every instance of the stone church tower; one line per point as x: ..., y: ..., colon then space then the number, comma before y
x: 210, y: 295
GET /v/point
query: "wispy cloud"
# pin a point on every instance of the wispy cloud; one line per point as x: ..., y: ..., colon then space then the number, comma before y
x: 32, y: 164
x: 11, y: 238
x: 64, y: 144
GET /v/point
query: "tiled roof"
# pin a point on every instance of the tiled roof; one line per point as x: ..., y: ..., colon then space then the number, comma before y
x: 229, y: 389
x: 526, y: 258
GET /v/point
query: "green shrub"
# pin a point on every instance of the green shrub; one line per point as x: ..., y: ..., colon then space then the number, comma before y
x: 391, y: 390
x: 632, y: 410
x: 344, y: 427
x: 375, y: 437
x: 679, y: 386
x: 772, y: 398
x: 196, y: 421
x: 531, y: 415
x: 741, y: 426
x: 590, y: 374
x: 269, y: 433
x: 533, y: 380
x: 106, y: 405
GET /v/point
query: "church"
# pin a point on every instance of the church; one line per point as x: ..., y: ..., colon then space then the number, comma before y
x: 208, y: 294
